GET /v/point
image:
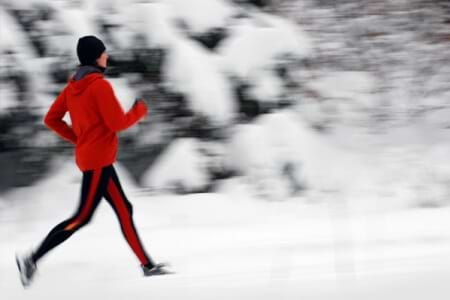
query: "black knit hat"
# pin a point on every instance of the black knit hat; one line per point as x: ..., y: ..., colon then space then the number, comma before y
x: 89, y: 48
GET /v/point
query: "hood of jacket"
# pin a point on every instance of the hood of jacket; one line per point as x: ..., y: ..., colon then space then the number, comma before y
x: 77, y: 87
x: 84, y: 77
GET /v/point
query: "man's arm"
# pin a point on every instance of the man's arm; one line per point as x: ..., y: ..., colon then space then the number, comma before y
x: 111, y: 110
x: 53, y: 119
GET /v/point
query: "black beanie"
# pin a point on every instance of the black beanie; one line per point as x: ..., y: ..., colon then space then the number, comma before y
x: 89, y: 48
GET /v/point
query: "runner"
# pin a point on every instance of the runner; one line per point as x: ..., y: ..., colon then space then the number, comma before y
x: 96, y: 117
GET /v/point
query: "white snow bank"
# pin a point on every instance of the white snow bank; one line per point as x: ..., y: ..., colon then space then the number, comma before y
x: 265, y: 86
x: 256, y: 43
x: 438, y: 111
x: 375, y: 179
x: 121, y: 14
x: 251, y: 155
x: 343, y: 84
x: 155, y: 22
x: 349, y: 98
x: 2, y: 204
x: 286, y: 249
x: 123, y: 92
x: 262, y: 150
x: 193, y: 71
x: 202, y: 15
x: 126, y: 179
x: 13, y: 38
x: 256, y: 46
x: 8, y: 98
x: 415, y: 176
x: 24, y: 4
x: 23, y: 59
x: 180, y: 166
x: 76, y: 23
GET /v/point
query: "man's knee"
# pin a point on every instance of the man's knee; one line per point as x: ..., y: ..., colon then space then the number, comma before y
x: 77, y: 224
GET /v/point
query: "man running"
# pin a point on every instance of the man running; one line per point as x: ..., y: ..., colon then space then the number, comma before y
x: 96, y: 117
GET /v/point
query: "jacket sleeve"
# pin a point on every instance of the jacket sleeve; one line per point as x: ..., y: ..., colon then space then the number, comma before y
x: 112, y: 112
x: 54, y: 119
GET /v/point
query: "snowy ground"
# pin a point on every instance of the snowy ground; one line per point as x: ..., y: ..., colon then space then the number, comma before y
x: 226, y: 246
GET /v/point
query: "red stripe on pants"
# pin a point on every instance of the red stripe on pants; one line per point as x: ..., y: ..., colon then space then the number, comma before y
x: 126, y: 222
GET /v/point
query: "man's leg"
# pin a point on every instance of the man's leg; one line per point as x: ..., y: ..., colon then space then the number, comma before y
x: 124, y: 211
x: 92, y: 189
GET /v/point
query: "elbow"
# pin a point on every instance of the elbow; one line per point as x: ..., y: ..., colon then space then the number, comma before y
x: 52, y: 123
x: 48, y: 121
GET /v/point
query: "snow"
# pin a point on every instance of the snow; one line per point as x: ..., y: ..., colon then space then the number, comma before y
x: 24, y: 4
x: 344, y: 84
x: 22, y: 60
x: 13, y: 38
x: 202, y: 15
x: 123, y: 92
x: 77, y: 24
x: 350, y: 93
x: 265, y: 86
x: 438, y: 111
x: 256, y: 44
x: 181, y: 165
x: 122, y: 15
x: 254, y: 48
x: 251, y: 153
x: 226, y: 247
x: 126, y: 179
x: 192, y: 70
x: 155, y: 21
x: 262, y: 148
x: 368, y: 175
x: 8, y: 98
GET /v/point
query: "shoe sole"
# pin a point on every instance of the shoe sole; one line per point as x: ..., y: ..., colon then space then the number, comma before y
x: 160, y: 274
x: 22, y: 279
x: 166, y: 272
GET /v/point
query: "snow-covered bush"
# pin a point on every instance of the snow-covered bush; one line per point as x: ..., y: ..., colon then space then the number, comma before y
x: 258, y: 54
x: 266, y: 153
x: 341, y: 98
x: 180, y: 168
x: 192, y: 71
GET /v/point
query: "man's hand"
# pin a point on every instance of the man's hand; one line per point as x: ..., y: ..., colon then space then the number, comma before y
x: 141, y: 99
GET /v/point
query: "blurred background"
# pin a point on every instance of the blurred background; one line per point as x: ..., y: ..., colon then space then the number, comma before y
x: 314, y: 134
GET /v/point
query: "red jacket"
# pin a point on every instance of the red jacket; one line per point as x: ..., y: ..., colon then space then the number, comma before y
x: 96, y: 117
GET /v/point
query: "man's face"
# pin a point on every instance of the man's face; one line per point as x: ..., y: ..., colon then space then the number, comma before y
x: 102, y: 61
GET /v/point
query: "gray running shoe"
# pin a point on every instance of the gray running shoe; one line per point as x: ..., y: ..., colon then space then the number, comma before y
x: 158, y: 269
x: 27, y: 269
